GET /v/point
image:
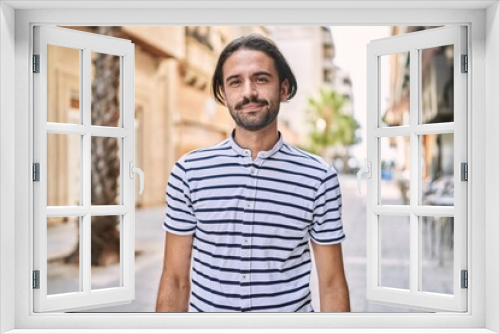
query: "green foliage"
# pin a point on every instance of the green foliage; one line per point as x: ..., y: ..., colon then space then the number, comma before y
x: 330, y: 125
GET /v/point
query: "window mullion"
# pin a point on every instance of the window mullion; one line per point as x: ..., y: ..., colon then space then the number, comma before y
x: 103, y: 131
x: 108, y: 210
x: 77, y: 129
x: 414, y: 169
x: 127, y: 113
x: 460, y: 202
x: 373, y: 188
x: 421, y: 210
x: 85, y: 251
x: 436, y: 128
x: 86, y: 168
x: 67, y: 211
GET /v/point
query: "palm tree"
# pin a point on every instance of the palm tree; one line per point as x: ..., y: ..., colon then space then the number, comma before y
x: 105, y: 161
x: 330, y: 125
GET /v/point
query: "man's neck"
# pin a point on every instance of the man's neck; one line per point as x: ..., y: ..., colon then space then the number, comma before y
x: 256, y: 141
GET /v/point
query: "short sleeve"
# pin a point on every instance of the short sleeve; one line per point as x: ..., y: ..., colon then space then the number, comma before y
x: 179, y: 216
x: 327, y: 227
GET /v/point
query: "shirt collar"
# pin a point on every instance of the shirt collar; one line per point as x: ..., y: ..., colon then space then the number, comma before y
x: 261, y: 154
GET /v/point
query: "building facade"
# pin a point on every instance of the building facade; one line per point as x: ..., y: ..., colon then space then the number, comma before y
x: 309, y: 51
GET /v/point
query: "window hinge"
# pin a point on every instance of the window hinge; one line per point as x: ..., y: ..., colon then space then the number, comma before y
x: 36, y: 63
x: 36, y: 172
x: 465, y: 64
x: 36, y: 279
x: 465, y: 279
x: 464, y: 175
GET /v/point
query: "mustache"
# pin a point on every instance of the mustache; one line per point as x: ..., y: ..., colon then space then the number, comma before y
x: 246, y: 101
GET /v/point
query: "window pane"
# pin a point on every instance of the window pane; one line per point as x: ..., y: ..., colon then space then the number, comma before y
x: 105, y: 189
x: 105, y: 252
x: 395, y: 251
x: 105, y: 89
x: 437, y: 84
x: 63, y: 84
x: 395, y: 89
x: 437, y: 254
x: 63, y: 255
x: 63, y: 170
x: 395, y: 170
x: 437, y: 169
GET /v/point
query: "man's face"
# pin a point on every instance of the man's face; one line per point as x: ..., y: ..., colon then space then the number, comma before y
x: 252, y: 89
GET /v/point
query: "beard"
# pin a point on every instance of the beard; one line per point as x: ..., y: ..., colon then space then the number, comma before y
x: 257, y: 120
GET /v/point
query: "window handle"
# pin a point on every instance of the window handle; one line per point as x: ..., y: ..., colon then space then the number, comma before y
x: 133, y: 170
x: 364, y: 170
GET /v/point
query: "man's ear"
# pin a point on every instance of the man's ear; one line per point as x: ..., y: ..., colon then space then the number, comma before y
x: 284, y: 87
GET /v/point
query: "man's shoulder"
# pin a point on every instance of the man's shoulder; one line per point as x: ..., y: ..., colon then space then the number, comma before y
x: 305, y: 158
x: 204, y: 153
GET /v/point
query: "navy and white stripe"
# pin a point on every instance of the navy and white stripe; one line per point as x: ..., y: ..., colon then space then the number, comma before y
x: 252, y: 222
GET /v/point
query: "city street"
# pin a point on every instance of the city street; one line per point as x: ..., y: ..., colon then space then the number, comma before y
x: 150, y: 239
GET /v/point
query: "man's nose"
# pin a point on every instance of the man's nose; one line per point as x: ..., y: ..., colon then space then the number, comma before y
x: 249, y: 89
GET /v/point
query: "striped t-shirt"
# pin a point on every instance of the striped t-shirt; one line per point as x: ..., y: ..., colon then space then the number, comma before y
x: 252, y: 221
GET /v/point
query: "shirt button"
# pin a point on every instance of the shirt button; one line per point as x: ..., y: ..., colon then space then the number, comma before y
x: 247, y: 152
x: 252, y: 171
x: 244, y: 276
x: 246, y: 241
x: 248, y: 205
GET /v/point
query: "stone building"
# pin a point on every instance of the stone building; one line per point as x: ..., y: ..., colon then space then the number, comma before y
x: 342, y: 83
x: 309, y: 50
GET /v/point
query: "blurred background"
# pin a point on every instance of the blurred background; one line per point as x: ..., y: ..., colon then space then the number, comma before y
x: 175, y: 113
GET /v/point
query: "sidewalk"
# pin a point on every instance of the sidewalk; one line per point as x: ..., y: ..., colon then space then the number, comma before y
x: 150, y: 239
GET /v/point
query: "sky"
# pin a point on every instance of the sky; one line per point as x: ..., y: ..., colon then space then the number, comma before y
x: 350, y: 54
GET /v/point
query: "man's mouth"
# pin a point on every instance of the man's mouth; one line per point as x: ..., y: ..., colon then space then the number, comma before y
x: 252, y: 106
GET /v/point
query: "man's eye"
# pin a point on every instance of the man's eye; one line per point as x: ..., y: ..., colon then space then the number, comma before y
x: 261, y: 79
x: 234, y: 82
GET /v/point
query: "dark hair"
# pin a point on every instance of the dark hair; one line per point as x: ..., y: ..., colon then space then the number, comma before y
x: 254, y: 42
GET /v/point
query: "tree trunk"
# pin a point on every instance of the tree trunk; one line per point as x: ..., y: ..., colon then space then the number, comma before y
x: 105, y: 160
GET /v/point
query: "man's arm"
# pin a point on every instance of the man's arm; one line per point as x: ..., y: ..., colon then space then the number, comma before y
x: 333, y: 290
x: 175, y: 284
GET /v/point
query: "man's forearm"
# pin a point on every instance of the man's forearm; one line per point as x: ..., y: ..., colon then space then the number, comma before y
x: 335, y: 300
x: 173, y: 296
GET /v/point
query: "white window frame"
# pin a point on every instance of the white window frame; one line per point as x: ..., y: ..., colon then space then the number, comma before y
x: 414, y: 43
x: 483, y: 21
x: 85, y: 43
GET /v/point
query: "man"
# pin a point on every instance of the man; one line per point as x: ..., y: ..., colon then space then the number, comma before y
x: 244, y: 210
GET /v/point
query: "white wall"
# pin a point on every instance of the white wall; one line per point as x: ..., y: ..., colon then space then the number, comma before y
x: 492, y: 152
x: 7, y: 191
x: 248, y: 16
